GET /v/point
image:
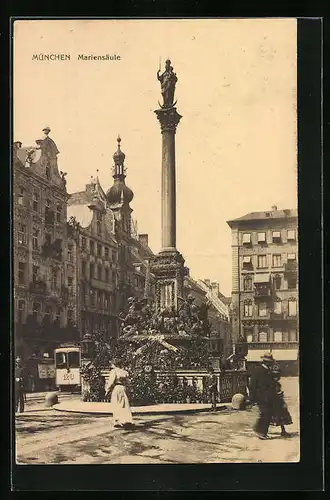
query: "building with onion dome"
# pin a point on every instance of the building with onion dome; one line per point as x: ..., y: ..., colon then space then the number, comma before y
x: 110, y: 258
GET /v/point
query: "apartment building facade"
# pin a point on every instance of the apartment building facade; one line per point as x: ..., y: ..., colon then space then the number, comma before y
x: 265, y: 284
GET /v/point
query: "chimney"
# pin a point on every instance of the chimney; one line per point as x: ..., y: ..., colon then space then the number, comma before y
x: 274, y: 208
x: 207, y: 282
x: 143, y: 239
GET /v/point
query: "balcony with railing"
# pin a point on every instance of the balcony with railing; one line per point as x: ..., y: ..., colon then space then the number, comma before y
x: 262, y: 291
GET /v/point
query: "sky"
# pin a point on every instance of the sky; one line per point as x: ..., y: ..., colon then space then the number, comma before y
x: 236, y: 145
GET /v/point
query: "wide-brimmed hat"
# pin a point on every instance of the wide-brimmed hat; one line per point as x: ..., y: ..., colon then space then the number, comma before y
x: 267, y: 357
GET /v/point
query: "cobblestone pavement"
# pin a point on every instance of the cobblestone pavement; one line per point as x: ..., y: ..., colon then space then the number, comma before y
x: 44, y: 436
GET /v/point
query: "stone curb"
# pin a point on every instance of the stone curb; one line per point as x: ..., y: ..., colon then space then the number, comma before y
x: 144, y: 410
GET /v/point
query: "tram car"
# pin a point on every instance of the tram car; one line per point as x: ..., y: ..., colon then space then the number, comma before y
x: 67, y: 367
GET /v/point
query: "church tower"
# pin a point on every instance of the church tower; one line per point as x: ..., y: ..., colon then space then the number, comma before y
x: 119, y: 197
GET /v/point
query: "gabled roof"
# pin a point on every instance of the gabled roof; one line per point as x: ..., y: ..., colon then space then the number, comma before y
x: 266, y: 215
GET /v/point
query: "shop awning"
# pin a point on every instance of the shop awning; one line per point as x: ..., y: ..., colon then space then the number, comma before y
x: 278, y: 354
x: 261, y: 278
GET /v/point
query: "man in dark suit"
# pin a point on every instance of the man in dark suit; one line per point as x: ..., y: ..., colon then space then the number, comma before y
x: 263, y: 393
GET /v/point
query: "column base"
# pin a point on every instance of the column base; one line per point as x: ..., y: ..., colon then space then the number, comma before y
x: 168, y: 249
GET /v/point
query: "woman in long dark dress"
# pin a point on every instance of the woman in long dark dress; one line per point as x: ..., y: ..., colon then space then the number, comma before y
x: 281, y: 415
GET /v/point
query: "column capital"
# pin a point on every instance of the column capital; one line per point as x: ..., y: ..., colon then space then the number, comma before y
x: 168, y: 118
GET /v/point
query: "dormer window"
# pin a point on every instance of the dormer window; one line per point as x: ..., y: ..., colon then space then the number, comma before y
x: 276, y: 236
x: 246, y: 238
x: 291, y: 235
x: 262, y: 237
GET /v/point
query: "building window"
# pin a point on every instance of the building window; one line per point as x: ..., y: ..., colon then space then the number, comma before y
x: 93, y: 297
x: 248, y: 309
x: 99, y: 249
x: 91, y: 271
x: 83, y: 268
x: 114, y: 277
x: 20, y: 199
x: 35, y: 272
x: 21, y: 234
x: 91, y: 247
x: 83, y: 243
x: 21, y: 272
x: 70, y: 317
x: 247, y: 283
x: 106, y: 300
x: 35, y: 239
x: 70, y: 284
x: 278, y: 336
x: 99, y: 272
x: 262, y: 309
x: 35, y: 309
x: 21, y: 310
x: 106, y: 278
x: 291, y: 257
x: 246, y: 238
x: 293, y: 337
x: 247, y: 261
x: 292, y: 283
x: 58, y: 212
x: 291, y: 235
x: 261, y: 237
x: 277, y: 260
x: 35, y: 202
x: 114, y: 255
x: 277, y: 236
x: 278, y: 307
x: 54, y: 278
x: 106, y: 253
x: 262, y: 261
x: 58, y: 314
x: 70, y: 253
x: 263, y: 336
x: 277, y: 282
x: 248, y: 334
x: 292, y: 307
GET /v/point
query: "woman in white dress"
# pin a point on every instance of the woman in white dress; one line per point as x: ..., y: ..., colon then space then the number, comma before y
x: 118, y: 379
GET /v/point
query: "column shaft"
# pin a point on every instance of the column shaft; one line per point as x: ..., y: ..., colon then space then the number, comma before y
x: 168, y: 191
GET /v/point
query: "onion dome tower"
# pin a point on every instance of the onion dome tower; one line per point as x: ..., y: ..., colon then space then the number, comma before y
x: 119, y: 193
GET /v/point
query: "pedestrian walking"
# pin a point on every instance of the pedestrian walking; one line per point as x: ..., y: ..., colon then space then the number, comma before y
x: 263, y: 393
x: 19, y: 386
x: 281, y: 415
x: 116, y: 387
x: 213, y: 388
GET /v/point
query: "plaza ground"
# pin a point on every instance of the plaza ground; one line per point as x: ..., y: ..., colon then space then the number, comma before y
x: 47, y: 436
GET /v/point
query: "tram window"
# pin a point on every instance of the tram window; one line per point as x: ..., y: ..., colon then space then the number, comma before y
x: 61, y: 360
x: 74, y: 360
